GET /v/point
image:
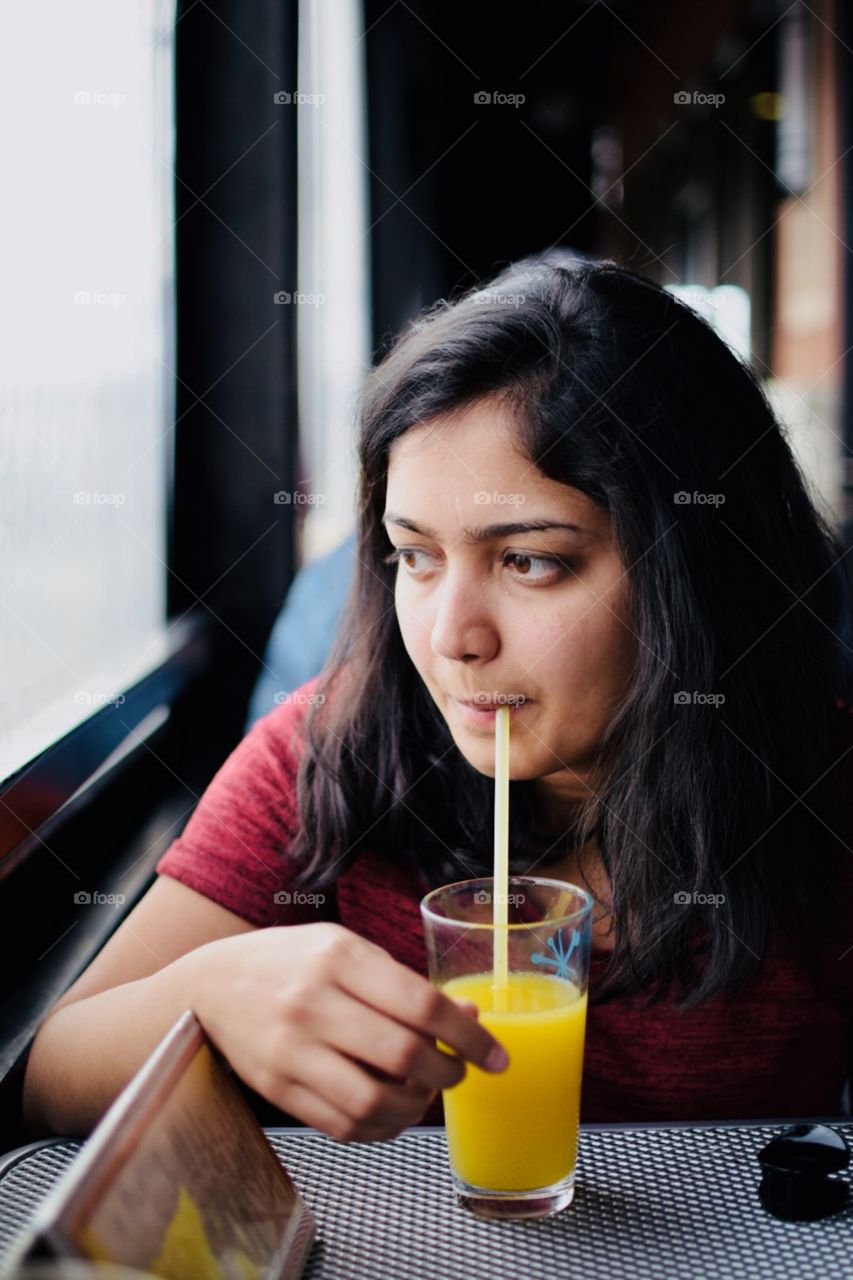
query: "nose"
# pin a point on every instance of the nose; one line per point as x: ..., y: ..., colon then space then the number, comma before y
x: 463, y: 628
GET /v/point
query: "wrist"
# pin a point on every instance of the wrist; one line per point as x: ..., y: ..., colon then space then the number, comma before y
x: 196, y: 981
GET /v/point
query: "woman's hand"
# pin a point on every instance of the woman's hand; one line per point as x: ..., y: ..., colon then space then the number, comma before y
x: 315, y: 1019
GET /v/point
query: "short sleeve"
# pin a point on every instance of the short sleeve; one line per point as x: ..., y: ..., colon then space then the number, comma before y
x: 234, y: 849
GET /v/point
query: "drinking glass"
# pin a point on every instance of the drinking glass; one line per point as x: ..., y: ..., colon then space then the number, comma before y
x: 512, y: 1136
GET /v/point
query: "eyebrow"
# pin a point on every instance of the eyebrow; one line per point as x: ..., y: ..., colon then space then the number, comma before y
x: 491, y: 531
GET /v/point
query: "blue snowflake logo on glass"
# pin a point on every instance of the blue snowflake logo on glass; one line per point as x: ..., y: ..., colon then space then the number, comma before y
x: 560, y: 955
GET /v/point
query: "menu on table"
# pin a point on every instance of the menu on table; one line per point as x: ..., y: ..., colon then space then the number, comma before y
x: 178, y: 1179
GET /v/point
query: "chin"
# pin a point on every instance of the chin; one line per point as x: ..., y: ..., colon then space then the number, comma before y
x: 482, y: 758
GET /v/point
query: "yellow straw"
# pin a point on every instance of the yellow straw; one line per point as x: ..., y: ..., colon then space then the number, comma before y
x: 500, y: 882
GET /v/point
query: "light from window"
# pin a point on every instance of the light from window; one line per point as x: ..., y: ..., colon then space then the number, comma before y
x: 86, y: 357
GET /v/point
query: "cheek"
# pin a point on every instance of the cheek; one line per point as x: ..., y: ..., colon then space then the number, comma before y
x: 586, y: 652
x: 414, y: 623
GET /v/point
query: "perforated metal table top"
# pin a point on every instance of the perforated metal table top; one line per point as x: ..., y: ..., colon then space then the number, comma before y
x: 653, y: 1203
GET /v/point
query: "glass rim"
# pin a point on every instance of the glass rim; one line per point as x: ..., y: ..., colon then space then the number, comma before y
x: 584, y: 909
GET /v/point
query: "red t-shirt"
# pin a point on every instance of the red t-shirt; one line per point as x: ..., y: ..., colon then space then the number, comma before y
x: 782, y: 1047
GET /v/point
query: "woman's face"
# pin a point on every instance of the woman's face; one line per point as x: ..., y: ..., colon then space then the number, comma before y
x: 492, y: 610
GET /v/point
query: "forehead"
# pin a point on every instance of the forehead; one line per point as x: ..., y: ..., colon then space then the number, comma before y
x: 443, y: 471
x: 481, y: 432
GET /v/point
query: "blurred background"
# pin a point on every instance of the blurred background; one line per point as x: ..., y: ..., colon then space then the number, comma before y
x: 214, y: 216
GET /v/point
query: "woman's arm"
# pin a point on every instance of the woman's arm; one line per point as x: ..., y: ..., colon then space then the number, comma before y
x: 319, y: 1021
x: 98, y: 1034
x: 87, y: 1051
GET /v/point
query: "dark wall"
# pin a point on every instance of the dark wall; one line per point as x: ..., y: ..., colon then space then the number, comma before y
x: 232, y: 552
x: 460, y: 188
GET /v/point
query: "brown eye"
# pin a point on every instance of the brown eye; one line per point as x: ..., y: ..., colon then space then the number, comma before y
x: 541, y: 569
x: 408, y: 557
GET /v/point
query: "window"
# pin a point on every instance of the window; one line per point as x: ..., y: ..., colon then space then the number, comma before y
x: 86, y: 358
x: 333, y: 315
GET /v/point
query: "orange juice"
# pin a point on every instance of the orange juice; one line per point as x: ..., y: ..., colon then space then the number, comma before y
x: 517, y: 1130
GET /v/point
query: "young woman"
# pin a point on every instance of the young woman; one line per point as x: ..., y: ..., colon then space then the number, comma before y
x: 572, y: 495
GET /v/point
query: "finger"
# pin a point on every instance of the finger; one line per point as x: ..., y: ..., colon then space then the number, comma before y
x: 404, y: 995
x: 467, y: 1006
x: 299, y: 1101
x: 360, y: 1096
x: 361, y: 1032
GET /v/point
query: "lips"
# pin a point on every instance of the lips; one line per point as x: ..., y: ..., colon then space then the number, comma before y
x: 490, y: 702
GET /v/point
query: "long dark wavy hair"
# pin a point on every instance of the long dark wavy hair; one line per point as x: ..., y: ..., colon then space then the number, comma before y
x: 621, y: 391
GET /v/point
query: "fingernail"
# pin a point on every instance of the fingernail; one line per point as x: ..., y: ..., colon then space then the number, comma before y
x: 497, y: 1058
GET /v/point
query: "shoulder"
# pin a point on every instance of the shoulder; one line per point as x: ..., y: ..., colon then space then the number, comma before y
x: 283, y: 727
x: 234, y: 848
x: 253, y: 793
x: 269, y: 754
